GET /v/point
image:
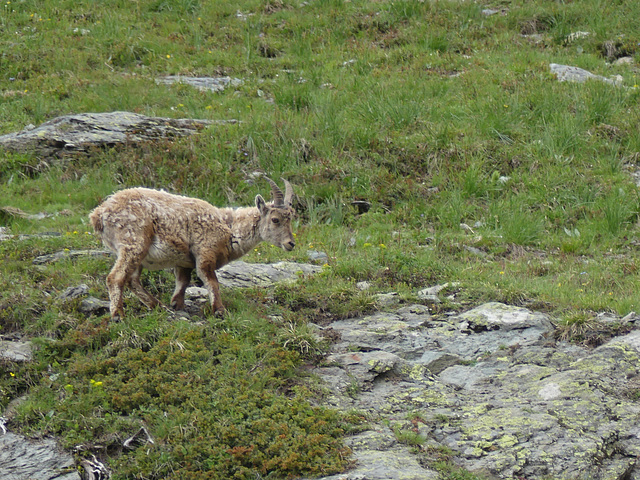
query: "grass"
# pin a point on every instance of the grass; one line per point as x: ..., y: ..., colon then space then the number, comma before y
x: 432, y: 112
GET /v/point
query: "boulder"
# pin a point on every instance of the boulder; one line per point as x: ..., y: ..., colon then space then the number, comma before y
x: 21, y: 459
x: 81, y: 132
x: 566, y: 73
x: 15, y: 351
x: 241, y: 274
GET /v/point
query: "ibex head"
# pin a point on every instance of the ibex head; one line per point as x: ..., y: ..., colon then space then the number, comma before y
x: 275, y: 217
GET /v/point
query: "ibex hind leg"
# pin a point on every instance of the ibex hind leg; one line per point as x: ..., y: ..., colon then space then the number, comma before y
x: 128, y: 263
x: 183, y: 277
x: 207, y: 274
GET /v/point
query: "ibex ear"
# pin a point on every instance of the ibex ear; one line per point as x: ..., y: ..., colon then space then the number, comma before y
x: 261, y: 204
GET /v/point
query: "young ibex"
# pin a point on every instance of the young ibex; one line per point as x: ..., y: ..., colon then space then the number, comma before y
x: 157, y: 230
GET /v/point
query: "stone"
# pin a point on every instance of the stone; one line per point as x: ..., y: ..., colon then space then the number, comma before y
x: 378, y: 456
x: 624, y: 61
x: 93, y: 306
x: 387, y: 299
x: 572, y: 37
x: 210, y: 84
x: 429, y: 299
x: 69, y: 254
x: 436, y: 361
x: 15, y: 351
x: 5, y: 236
x: 72, y: 293
x: 319, y: 258
x: 81, y: 132
x: 240, y: 274
x: 566, y: 73
x: 366, y: 366
x: 22, y: 459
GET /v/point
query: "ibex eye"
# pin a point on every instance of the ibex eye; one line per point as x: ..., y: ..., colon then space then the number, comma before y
x: 275, y: 220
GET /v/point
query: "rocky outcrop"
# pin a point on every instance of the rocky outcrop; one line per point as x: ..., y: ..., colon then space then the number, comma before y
x: 22, y: 459
x: 81, y: 132
x: 491, y: 386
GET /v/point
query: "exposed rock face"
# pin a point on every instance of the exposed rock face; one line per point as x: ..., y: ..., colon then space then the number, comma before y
x: 491, y: 386
x: 83, y: 131
x: 22, y: 459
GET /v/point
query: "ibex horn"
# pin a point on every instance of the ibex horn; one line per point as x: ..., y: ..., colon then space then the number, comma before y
x: 278, y: 197
x: 288, y: 193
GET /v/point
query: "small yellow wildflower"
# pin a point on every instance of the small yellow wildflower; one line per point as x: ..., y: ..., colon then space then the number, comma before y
x: 208, y: 107
x: 168, y: 56
x: 12, y: 374
x: 382, y: 245
x: 367, y: 245
x: 501, y: 273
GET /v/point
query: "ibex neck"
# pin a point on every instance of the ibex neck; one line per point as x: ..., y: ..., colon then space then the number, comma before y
x: 245, y: 234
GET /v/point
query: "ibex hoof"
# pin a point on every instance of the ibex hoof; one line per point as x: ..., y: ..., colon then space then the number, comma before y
x: 220, y: 312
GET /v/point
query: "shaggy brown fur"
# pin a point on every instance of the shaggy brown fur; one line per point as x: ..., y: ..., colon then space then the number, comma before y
x: 157, y: 230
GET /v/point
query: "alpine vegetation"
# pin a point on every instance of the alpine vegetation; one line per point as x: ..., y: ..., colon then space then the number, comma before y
x: 158, y: 230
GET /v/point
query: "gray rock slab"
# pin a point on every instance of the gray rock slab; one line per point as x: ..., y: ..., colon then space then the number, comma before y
x: 69, y: 254
x: 366, y: 366
x: 494, y: 326
x: 240, y: 274
x: 83, y: 131
x: 398, y: 333
x: 493, y: 386
x: 210, y: 84
x: 24, y: 459
x: 16, y: 351
x: 567, y: 73
x: 93, y: 306
x: 379, y: 456
x: 72, y: 293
